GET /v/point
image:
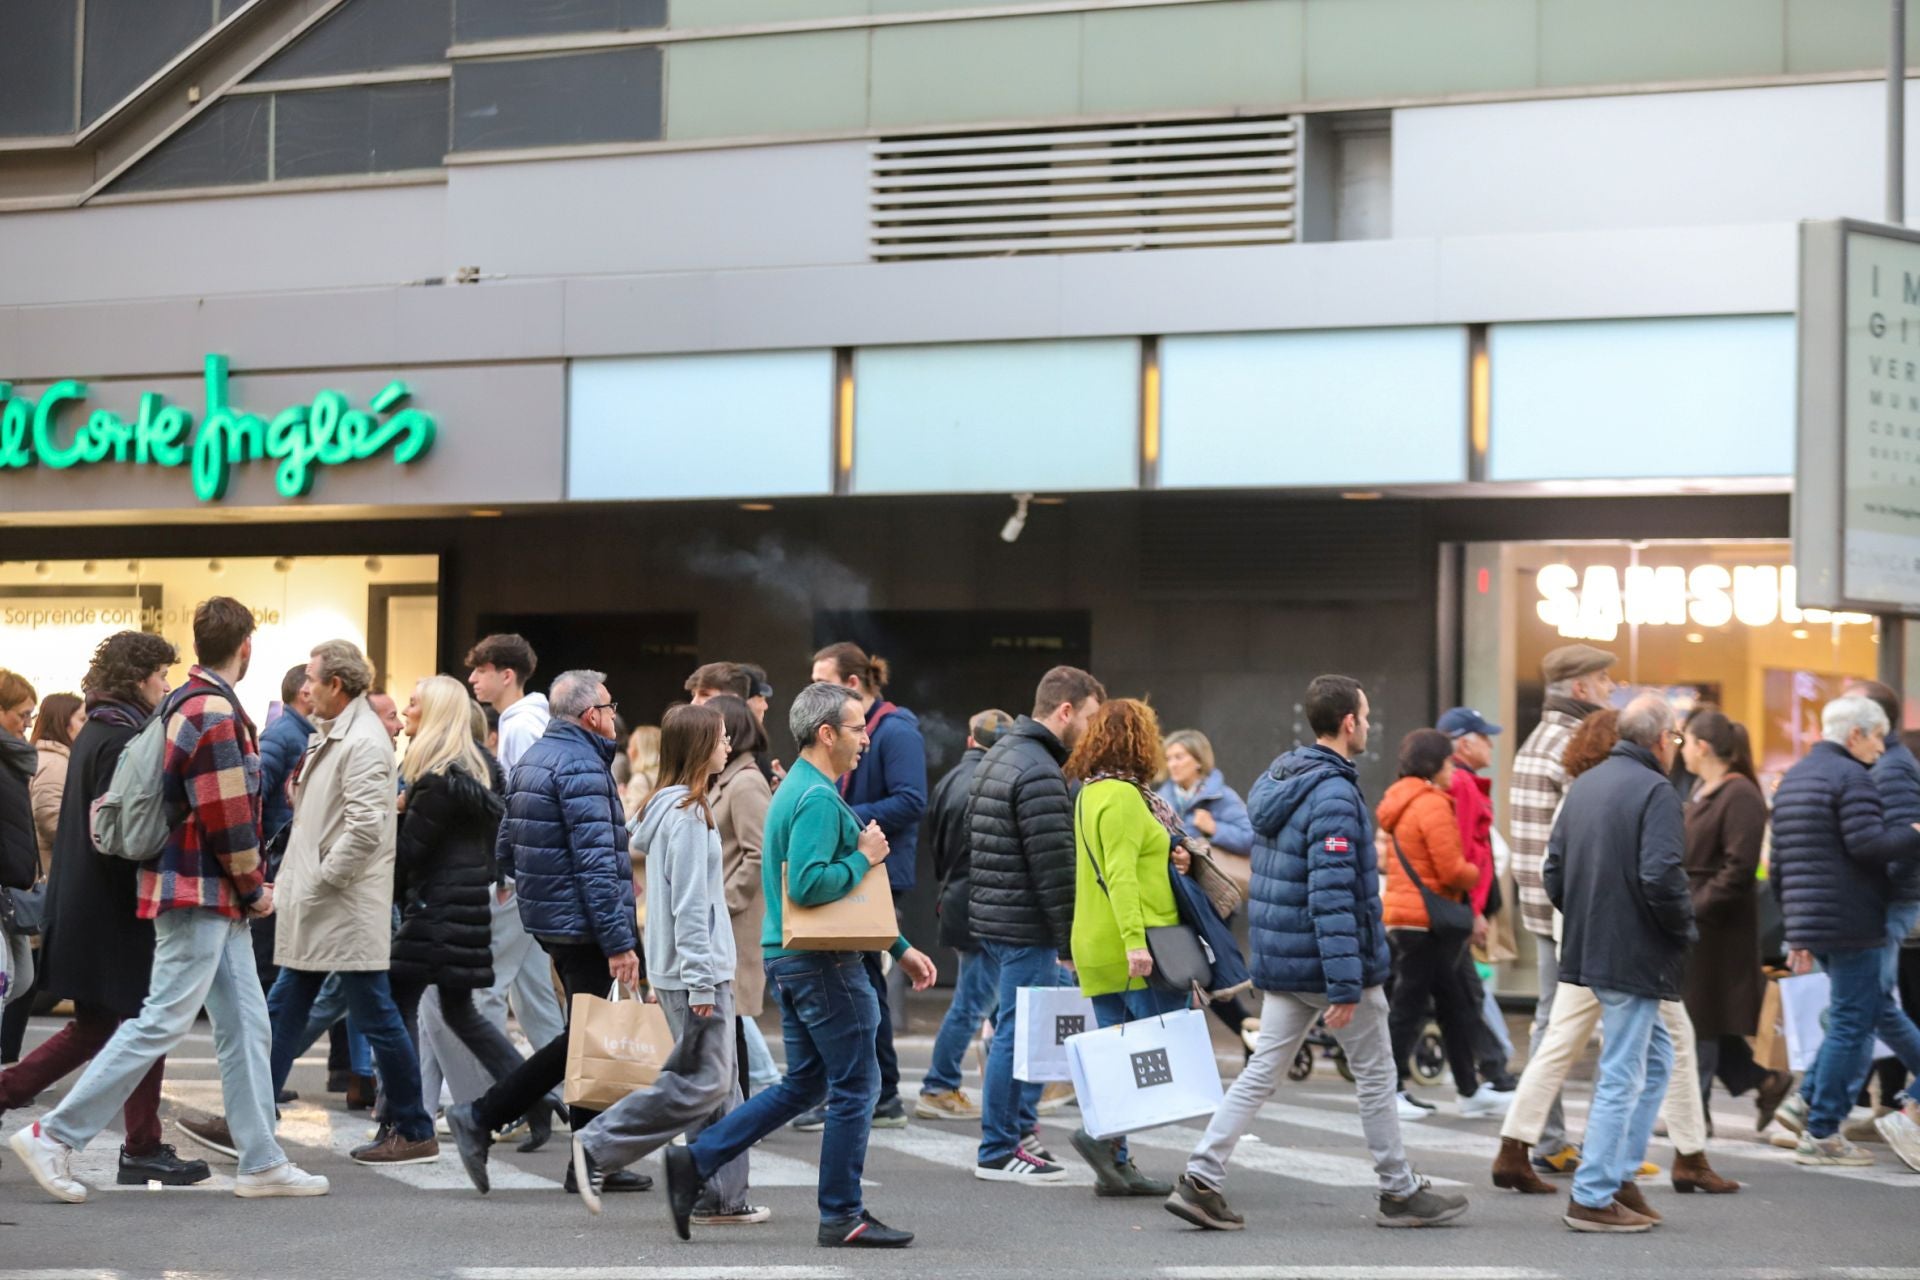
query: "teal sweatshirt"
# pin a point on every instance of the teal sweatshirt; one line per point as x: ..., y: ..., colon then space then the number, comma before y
x: 814, y: 837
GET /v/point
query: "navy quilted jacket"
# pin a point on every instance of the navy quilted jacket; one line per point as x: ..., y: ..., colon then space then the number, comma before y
x: 1315, y: 898
x: 1832, y: 841
x: 1897, y: 777
x: 564, y: 841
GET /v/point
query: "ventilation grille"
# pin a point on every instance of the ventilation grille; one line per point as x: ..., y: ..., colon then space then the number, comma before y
x: 1283, y: 550
x: 1142, y: 186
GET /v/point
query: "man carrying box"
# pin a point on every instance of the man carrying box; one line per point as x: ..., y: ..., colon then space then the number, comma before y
x: 816, y: 850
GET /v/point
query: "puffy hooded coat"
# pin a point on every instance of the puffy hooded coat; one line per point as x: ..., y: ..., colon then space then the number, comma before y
x: 1897, y: 775
x: 1020, y: 826
x: 1832, y: 842
x: 446, y: 873
x: 564, y: 841
x: 1422, y: 820
x: 1315, y: 898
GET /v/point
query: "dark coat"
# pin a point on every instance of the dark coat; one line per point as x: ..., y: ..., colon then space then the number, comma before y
x: 1724, y: 832
x: 1314, y: 902
x: 564, y: 842
x: 1832, y: 842
x: 96, y: 951
x: 282, y: 744
x: 1615, y: 868
x: 947, y: 840
x: 1020, y: 823
x: 19, y: 843
x: 1896, y: 775
x: 889, y: 786
x: 444, y: 877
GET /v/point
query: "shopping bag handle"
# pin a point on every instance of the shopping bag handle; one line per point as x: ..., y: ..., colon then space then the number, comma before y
x: 614, y: 996
x: 1160, y: 1017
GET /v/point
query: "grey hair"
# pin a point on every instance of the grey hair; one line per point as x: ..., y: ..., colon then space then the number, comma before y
x: 1839, y: 718
x: 1646, y: 718
x: 342, y: 660
x: 1560, y: 689
x: 816, y: 705
x: 574, y: 693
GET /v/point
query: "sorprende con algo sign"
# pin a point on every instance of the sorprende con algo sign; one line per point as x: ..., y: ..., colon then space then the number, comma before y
x: 328, y: 432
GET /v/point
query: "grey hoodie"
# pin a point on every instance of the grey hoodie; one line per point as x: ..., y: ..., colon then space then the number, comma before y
x: 689, y: 936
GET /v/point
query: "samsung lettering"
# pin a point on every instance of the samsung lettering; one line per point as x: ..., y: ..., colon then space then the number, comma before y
x: 302, y: 438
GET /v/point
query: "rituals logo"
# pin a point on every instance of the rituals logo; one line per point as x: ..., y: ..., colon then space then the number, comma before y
x: 1068, y: 1024
x: 1150, y: 1068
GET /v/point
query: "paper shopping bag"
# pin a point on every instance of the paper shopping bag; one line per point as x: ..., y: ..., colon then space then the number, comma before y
x: 614, y: 1046
x: 1142, y: 1074
x: 1803, y: 1004
x: 861, y: 921
x: 1046, y: 1017
x: 1769, y: 1038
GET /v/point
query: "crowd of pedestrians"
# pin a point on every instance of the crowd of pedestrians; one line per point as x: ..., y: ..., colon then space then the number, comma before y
x: 312, y: 879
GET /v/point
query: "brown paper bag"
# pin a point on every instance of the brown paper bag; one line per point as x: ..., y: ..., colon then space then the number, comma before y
x: 614, y: 1046
x: 861, y: 921
x: 1769, y: 1040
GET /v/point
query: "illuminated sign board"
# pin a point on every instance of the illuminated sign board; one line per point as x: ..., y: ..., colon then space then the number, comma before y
x: 1593, y: 604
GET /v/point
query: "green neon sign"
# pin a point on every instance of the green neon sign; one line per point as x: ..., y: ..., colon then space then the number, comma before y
x: 302, y: 438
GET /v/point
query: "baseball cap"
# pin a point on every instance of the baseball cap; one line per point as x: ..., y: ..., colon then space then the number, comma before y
x: 1461, y: 721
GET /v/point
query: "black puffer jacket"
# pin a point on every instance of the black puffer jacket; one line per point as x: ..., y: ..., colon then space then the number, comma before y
x: 1020, y: 820
x: 445, y: 870
x: 1832, y: 841
x: 948, y: 838
x: 19, y: 845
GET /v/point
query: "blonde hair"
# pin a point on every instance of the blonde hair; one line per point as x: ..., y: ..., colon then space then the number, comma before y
x: 1196, y: 745
x: 446, y: 733
x: 643, y: 751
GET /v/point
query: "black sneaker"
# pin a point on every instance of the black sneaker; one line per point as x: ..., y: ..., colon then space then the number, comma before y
x: 889, y: 1113
x: 471, y: 1140
x: 1031, y: 1144
x: 683, y: 1189
x: 1196, y: 1202
x: 210, y: 1132
x: 1022, y: 1166
x: 811, y: 1121
x: 285, y: 1096
x: 618, y: 1182
x: 162, y: 1165
x: 863, y: 1232
x: 1424, y: 1208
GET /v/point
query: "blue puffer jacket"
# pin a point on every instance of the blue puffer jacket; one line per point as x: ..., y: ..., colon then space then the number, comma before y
x: 1315, y: 899
x: 281, y: 747
x: 1897, y: 777
x: 889, y: 786
x: 564, y: 841
x: 1232, y: 833
x: 1831, y: 846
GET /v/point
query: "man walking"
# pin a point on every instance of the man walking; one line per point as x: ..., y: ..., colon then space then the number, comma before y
x: 199, y: 891
x: 1319, y: 948
x: 282, y: 744
x: 1832, y: 842
x: 1472, y: 735
x: 1615, y: 869
x: 1020, y: 898
x: 818, y: 852
x: 1577, y: 686
x: 564, y: 840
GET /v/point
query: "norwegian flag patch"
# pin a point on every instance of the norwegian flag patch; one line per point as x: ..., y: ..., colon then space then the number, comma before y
x: 1338, y: 844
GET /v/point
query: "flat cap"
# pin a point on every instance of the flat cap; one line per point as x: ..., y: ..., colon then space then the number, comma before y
x: 1571, y: 661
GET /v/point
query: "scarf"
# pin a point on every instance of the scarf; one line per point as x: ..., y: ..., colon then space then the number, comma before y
x: 1162, y: 811
x: 113, y: 711
x: 1571, y: 706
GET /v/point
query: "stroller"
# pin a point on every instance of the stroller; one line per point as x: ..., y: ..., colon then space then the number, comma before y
x: 1429, y: 1065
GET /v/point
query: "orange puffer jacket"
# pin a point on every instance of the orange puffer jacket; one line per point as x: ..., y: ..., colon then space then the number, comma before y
x: 1422, y: 819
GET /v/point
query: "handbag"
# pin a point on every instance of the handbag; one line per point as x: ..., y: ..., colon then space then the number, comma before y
x: 1447, y: 919
x: 1181, y: 961
x: 1223, y: 888
x: 24, y: 911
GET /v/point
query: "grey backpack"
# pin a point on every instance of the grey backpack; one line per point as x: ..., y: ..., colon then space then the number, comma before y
x: 130, y: 821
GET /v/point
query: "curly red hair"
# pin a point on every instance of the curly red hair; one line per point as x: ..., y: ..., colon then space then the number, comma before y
x: 1591, y: 742
x: 1123, y: 738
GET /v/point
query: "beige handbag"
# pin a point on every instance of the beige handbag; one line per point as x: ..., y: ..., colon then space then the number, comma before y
x: 861, y: 921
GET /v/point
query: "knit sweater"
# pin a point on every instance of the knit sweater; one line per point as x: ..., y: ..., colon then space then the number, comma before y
x: 1116, y: 839
x: 814, y: 838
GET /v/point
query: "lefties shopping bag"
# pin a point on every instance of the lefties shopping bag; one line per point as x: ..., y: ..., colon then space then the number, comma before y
x: 861, y: 921
x: 1047, y: 1017
x: 1769, y: 1039
x: 1143, y: 1074
x: 614, y: 1046
x: 1803, y: 1004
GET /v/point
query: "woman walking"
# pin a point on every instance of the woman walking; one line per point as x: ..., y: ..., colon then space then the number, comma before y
x: 1726, y: 822
x: 54, y: 729
x: 1212, y: 811
x: 96, y: 951
x: 741, y: 798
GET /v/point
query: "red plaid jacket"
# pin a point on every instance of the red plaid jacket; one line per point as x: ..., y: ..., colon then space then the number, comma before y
x: 212, y: 859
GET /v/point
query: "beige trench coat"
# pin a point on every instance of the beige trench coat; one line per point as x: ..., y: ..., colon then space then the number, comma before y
x: 740, y: 804
x: 334, y: 895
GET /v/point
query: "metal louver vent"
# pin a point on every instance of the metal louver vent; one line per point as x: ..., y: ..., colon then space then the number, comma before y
x: 1139, y: 186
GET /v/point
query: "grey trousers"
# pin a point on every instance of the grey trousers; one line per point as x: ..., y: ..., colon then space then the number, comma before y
x: 699, y: 1084
x: 522, y: 969
x: 1553, y: 1134
x: 1285, y: 1019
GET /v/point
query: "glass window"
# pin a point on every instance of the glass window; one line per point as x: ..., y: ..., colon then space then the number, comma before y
x: 505, y: 19
x: 366, y: 35
x: 225, y: 144
x: 37, y: 40
x: 381, y: 128
x: 609, y: 96
x: 129, y: 40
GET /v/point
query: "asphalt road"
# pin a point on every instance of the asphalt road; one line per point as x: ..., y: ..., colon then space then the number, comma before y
x: 1304, y: 1185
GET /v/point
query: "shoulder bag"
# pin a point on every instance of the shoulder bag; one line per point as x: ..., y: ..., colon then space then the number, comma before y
x: 1446, y: 919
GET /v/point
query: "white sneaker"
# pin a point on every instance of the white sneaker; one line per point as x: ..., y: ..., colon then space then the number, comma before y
x: 1250, y: 1034
x: 1411, y: 1108
x: 1792, y: 1115
x: 50, y: 1161
x: 287, y: 1179
x: 1903, y: 1136
x: 1485, y: 1104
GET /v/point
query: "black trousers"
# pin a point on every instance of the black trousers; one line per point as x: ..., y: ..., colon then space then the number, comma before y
x: 1891, y: 1072
x: 1487, y: 1052
x: 488, y: 1043
x: 1730, y: 1058
x: 1426, y: 968
x: 883, y: 1038
x: 582, y: 968
x: 13, y: 1023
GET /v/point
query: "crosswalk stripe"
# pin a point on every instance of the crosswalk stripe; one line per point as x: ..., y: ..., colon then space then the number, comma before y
x: 652, y: 1273
x: 771, y: 1169
x: 1254, y: 1153
x: 1414, y: 1136
x: 1354, y: 1273
x: 956, y: 1152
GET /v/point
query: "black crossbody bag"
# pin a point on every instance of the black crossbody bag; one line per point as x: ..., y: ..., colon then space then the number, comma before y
x: 1446, y: 919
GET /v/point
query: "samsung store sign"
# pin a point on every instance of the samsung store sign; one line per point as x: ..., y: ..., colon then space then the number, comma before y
x: 60, y: 432
x: 1593, y: 604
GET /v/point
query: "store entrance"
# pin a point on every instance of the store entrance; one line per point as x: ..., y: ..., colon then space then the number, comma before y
x: 647, y: 656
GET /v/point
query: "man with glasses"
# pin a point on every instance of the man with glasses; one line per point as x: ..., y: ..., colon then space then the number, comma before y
x: 563, y: 842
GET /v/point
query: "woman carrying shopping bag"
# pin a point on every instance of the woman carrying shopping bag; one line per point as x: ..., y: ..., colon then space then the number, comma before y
x: 1123, y: 889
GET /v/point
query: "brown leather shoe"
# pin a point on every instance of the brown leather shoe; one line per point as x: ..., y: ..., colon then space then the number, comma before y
x: 1616, y: 1218
x: 1693, y: 1173
x: 1513, y: 1169
x: 362, y: 1093
x: 1767, y: 1098
x: 1629, y: 1198
x: 394, y: 1149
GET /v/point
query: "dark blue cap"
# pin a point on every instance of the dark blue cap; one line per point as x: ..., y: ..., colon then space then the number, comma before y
x: 1462, y: 721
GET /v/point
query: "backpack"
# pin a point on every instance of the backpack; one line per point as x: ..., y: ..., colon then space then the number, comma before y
x: 131, y: 821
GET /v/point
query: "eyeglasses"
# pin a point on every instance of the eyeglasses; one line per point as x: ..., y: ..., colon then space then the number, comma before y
x: 28, y: 716
x: 853, y: 728
x: 606, y: 706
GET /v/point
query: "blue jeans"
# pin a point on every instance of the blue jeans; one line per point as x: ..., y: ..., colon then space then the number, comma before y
x: 1895, y: 1029
x: 1846, y: 1055
x: 329, y: 1007
x: 199, y: 958
x: 975, y: 996
x: 1635, y: 1061
x: 830, y: 1016
x: 1006, y: 1104
x: 369, y: 1003
x: 1116, y: 1007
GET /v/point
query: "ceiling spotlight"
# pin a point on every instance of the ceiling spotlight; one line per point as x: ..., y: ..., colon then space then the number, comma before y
x: 90, y: 568
x: 216, y: 567
x: 43, y: 569
x: 133, y: 566
x: 1017, y: 522
x: 375, y: 564
x: 283, y: 565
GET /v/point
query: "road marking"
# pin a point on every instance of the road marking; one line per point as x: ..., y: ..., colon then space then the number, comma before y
x: 958, y: 1152
x: 1254, y: 1153
x: 1875, y: 1273
x: 771, y: 1169
x: 1414, y: 1136
x: 649, y: 1273
x: 57, y: 1273
x: 1355, y: 1273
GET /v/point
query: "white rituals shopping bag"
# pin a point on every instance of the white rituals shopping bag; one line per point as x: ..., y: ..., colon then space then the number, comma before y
x: 1046, y: 1017
x: 1142, y: 1074
x: 1803, y: 1006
